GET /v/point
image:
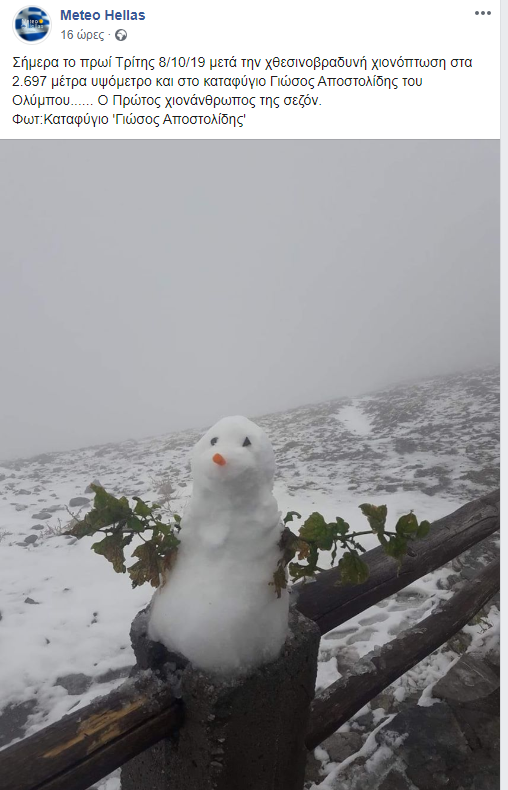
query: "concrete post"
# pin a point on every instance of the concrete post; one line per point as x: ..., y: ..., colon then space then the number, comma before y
x: 242, y: 734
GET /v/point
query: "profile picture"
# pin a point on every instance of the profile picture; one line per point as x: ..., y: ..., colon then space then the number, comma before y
x: 32, y: 24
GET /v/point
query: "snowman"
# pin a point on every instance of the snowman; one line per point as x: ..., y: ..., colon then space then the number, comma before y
x: 216, y: 605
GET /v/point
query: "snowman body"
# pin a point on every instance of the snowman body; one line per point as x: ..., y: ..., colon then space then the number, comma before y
x: 218, y: 606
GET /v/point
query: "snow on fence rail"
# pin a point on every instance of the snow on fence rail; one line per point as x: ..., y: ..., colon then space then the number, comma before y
x: 87, y: 745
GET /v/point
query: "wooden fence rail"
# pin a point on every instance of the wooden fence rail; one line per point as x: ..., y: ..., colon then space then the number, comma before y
x: 87, y: 745
x: 340, y: 701
x: 92, y: 742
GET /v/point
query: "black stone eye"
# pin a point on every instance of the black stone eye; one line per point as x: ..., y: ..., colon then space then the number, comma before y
x: 247, y: 442
x: 214, y: 440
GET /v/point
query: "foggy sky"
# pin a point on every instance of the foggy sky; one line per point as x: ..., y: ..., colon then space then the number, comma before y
x: 152, y: 286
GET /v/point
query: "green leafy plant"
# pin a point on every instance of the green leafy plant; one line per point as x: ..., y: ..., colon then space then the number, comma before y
x: 317, y: 535
x: 119, y: 523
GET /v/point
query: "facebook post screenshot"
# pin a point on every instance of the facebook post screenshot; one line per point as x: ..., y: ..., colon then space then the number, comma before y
x: 249, y: 423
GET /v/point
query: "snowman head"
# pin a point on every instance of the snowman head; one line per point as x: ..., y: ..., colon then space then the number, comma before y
x: 235, y: 454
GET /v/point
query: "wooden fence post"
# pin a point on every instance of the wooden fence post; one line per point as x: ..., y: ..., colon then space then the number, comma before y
x: 245, y: 733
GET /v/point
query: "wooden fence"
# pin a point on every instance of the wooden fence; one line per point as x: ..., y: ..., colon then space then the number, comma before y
x: 89, y: 744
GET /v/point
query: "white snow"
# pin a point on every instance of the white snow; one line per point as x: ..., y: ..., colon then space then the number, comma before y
x: 333, y: 770
x: 354, y: 419
x: 57, y: 635
x: 327, y: 673
x: 217, y: 606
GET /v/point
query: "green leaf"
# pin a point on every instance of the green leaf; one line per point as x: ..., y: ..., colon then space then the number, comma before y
x: 102, y: 498
x: 376, y: 516
x: 303, y: 549
x: 396, y: 547
x: 165, y: 529
x: 167, y: 543
x: 313, y: 528
x: 177, y: 518
x: 342, y: 526
x: 279, y: 580
x: 423, y: 529
x: 135, y: 524
x: 298, y: 571
x: 313, y: 558
x: 112, y: 547
x: 407, y: 525
x: 107, y: 509
x: 289, y: 516
x: 288, y: 544
x: 316, y: 530
x: 146, y: 569
x: 142, y: 509
x: 353, y: 570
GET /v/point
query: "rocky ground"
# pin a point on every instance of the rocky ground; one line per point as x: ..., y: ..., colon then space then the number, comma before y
x: 428, y: 446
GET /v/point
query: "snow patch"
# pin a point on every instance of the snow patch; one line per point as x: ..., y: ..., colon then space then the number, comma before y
x: 327, y: 673
x: 354, y: 419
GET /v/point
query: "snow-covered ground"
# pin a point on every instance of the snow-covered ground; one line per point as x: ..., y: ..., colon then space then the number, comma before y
x: 354, y: 418
x: 65, y: 615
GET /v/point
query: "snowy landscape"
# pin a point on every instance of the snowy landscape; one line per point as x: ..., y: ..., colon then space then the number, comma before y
x: 429, y: 446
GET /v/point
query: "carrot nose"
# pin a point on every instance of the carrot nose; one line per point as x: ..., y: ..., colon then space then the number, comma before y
x: 219, y: 459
